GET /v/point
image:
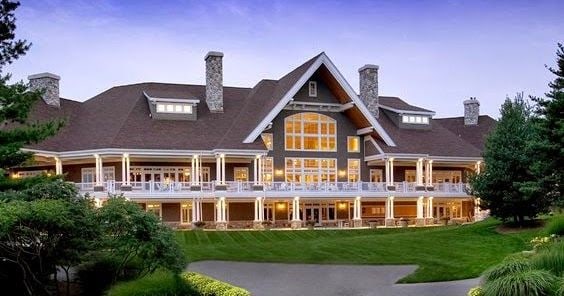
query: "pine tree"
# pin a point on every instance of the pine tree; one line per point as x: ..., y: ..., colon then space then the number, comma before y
x: 549, y: 147
x: 16, y: 100
x: 503, y: 184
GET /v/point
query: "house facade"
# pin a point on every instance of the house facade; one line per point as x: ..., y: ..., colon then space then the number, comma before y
x: 305, y: 147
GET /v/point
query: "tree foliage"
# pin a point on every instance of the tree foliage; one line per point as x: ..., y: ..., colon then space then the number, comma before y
x: 549, y: 147
x: 503, y: 186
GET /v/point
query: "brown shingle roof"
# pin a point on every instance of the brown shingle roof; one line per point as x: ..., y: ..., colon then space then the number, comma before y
x: 399, y: 104
x: 473, y: 134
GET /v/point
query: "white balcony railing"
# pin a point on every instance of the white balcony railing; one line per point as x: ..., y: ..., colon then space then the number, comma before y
x: 241, y: 187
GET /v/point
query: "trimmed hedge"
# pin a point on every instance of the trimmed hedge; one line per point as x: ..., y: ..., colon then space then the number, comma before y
x: 207, y: 286
x: 163, y: 283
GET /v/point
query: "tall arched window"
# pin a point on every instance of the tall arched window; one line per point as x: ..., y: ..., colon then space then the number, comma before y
x: 310, y: 132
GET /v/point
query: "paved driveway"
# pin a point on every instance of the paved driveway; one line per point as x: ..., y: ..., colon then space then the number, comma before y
x: 277, y: 279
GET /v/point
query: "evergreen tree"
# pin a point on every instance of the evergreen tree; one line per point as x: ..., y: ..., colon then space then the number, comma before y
x: 549, y: 147
x: 502, y: 186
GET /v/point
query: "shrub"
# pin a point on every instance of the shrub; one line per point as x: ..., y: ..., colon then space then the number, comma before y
x: 96, y: 277
x: 550, y: 259
x: 160, y: 283
x: 207, y: 286
x: 560, y: 289
x: 522, y: 283
x: 476, y: 291
x: 556, y: 226
x: 507, y: 267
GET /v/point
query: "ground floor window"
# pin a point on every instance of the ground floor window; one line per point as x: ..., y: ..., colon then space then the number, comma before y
x: 311, y: 170
x: 185, y: 214
x: 451, y: 210
x: 154, y: 208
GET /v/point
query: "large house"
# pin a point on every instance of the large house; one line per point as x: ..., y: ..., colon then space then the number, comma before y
x: 305, y: 147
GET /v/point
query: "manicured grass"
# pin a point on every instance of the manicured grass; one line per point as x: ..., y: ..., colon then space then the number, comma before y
x: 442, y: 253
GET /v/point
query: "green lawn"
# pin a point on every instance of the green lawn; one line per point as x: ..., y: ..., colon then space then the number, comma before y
x: 442, y: 253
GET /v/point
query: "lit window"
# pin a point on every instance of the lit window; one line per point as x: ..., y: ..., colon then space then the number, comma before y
x: 169, y: 108
x: 353, y: 170
x: 174, y: 108
x: 267, y: 139
x: 311, y: 170
x: 353, y: 144
x: 313, y: 89
x: 241, y: 174
x: 160, y: 108
x: 187, y: 109
x: 178, y: 108
x: 376, y: 175
x: 426, y: 120
x: 267, y: 169
x: 310, y: 132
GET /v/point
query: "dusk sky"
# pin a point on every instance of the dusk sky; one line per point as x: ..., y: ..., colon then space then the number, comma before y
x: 433, y: 54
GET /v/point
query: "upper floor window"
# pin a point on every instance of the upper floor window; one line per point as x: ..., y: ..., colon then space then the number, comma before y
x: 313, y: 89
x: 353, y: 144
x: 353, y: 170
x: 241, y: 174
x: 415, y: 119
x: 174, y: 108
x: 310, y: 132
x: 267, y: 139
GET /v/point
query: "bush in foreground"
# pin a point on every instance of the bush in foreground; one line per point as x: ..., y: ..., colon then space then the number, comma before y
x: 523, y: 283
x: 556, y: 226
x: 163, y: 283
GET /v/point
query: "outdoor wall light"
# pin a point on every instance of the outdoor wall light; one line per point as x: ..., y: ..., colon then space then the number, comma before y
x: 279, y: 172
x: 342, y: 205
x: 280, y: 205
x: 342, y: 173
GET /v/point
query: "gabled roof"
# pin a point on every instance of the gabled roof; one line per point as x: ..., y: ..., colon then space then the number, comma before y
x: 290, y: 84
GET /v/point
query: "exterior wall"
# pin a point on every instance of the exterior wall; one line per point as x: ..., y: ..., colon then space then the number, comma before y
x: 208, y: 209
x: 170, y: 212
x: 241, y: 211
x: 324, y: 94
x: 281, y: 213
x: 345, y: 128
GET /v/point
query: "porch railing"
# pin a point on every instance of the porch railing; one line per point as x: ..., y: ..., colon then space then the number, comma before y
x: 241, y: 187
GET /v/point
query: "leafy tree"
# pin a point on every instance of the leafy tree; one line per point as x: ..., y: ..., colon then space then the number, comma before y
x: 503, y: 186
x: 549, y: 147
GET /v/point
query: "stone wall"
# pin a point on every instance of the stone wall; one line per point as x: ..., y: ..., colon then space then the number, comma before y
x: 214, y: 81
x: 49, y: 84
x: 471, y: 111
x: 369, y: 87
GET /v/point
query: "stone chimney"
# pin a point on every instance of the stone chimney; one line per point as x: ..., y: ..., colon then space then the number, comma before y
x: 49, y: 84
x: 368, y: 76
x: 214, y: 81
x: 471, y: 111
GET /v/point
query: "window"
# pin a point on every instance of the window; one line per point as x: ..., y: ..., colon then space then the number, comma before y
x: 313, y: 89
x: 353, y: 169
x: 267, y: 139
x: 154, y: 208
x: 410, y: 176
x: 267, y: 169
x: 27, y: 174
x: 353, y: 144
x: 310, y: 132
x: 447, y: 176
x: 241, y: 174
x: 174, y: 108
x: 89, y: 174
x: 415, y: 119
x: 311, y: 170
x: 376, y: 175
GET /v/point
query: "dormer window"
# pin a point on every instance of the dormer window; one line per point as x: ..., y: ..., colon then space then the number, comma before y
x: 313, y: 89
x: 174, y: 108
x: 415, y: 119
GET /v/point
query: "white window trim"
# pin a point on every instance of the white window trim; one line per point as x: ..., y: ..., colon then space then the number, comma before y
x: 244, y: 169
x: 184, y: 108
x: 268, y: 169
x: 108, y: 170
x: 414, y: 119
x: 319, y: 135
x: 351, y: 171
x: 312, y: 88
x: 320, y: 170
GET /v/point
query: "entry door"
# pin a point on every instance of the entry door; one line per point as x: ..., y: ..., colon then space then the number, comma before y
x: 313, y: 213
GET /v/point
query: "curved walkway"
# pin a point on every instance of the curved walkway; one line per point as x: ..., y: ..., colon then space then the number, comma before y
x: 279, y: 279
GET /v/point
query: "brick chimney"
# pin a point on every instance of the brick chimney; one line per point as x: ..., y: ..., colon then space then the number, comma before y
x: 214, y: 81
x: 471, y: 111
x: 368, y: 78
x: 49, y: 84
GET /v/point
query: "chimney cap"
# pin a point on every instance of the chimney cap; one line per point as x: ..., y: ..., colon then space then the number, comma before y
x: 368, y: 66
x: 44, y: 75
x: 472, y: 100
x: 213, y: 54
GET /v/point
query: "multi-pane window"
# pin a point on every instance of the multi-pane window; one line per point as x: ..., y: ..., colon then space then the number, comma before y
x: 267, y: 169
x: 353, y: 169
x: 27, y: 174
x: 268, y: 141
x: 312, y: 89
x: 311, y: 170
x: 353, y: 144
x: 410, y: 176
x: 174, y: 108
x: 415, y: 119
x: 241, y: 174
x: 376, y: 175
x: 447, y: 176
x: 310, y: 132
x: 89, y: 174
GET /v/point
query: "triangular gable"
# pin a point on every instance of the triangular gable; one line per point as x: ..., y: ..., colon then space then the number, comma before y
x: 322, y: 59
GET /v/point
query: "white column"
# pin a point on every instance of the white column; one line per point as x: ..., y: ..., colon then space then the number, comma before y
x: 127, y: 170
x: 387, y: 163
x: 58, y: 166
x: 430, y: 206
x: 224, y: 209
x: 123, y: 169
x: 391, y: 171
x: 98, y: 165
x: 390, y: 208
x: 197, y: 170
x: 296, y: 209
x: 256, y: 210
x: 430, y: 173
x: 357, y: 208
x: 192, y: 170
x: 420, y: 207
x: 199, y: 212
x: 261, y: 209
x: 218, y: 169
x: 478, y: 167
x: 255, y: 171
x: 200, y: 171
x: 194, y: 219
x: 259, y: 169
x: 419, y: 172
x: 223, y: 169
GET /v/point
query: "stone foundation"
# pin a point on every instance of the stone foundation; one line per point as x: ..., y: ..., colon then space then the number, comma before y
x: 357, y: 222
x: 258, y: 225
x: 429, y: 221
x: 296, y: 224
x: 390, y: 222
x: 420, y: 222
x: 221, y: 225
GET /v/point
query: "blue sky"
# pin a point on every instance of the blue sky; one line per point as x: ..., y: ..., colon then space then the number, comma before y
x: 433, y: 54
